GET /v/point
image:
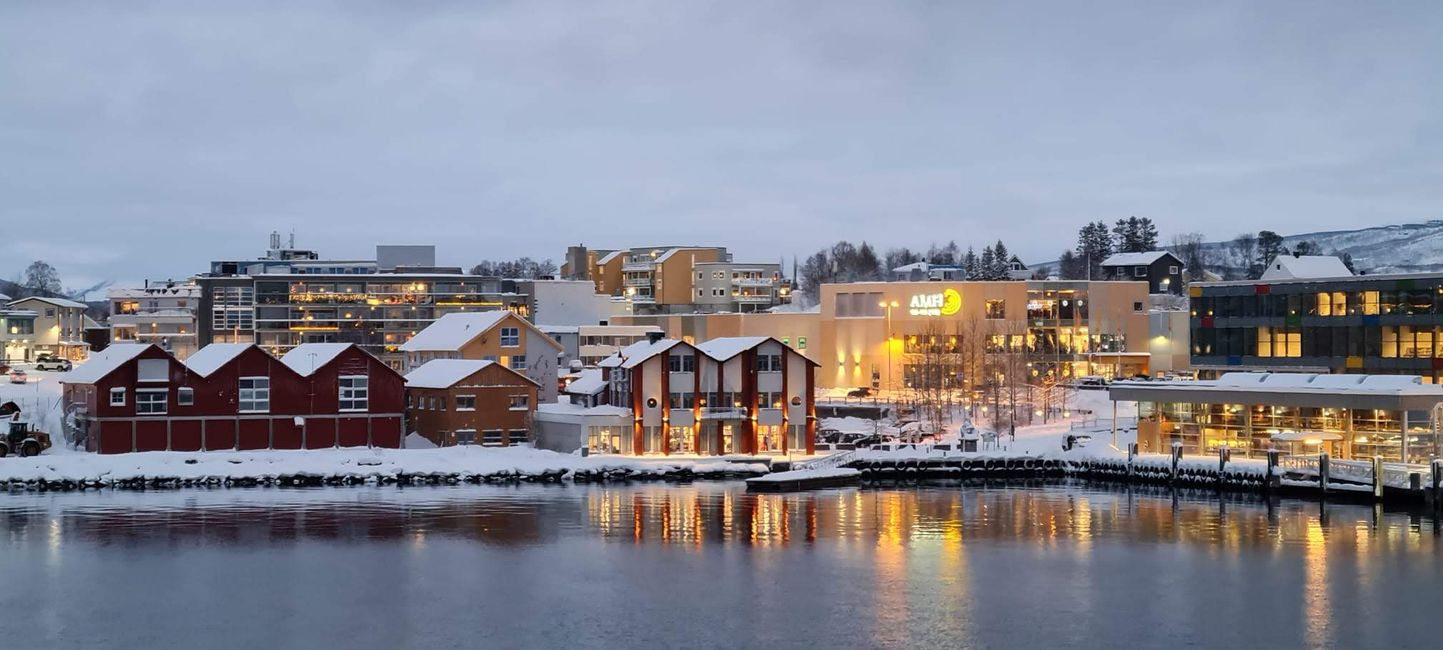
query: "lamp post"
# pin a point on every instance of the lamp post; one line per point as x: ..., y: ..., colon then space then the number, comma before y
x: 889, y: 305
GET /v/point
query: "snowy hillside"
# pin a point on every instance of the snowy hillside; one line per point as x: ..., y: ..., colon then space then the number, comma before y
x: 1412, y: 247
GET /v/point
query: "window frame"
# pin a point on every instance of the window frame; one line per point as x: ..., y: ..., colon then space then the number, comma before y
x: 143, y: 406
x: 185, y: 396
x: 525, y: 402
x: 514, y: 336
x: 472, y: 407
x: 364, y: 391
x: 255, y: 390
x: 117, y: 392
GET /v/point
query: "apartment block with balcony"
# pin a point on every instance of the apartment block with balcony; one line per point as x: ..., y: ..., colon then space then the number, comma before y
x: 678, y: 279
x: 736, y: 287
x: 291, y: 297
x: 163, y: 313
x: 17, y: 335
x: 59, y: 326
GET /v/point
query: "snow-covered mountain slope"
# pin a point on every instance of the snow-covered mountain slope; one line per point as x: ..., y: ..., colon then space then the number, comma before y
x: 1385, y: 249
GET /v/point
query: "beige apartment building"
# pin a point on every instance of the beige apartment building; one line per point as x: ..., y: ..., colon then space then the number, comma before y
x: 678, y: 279
x: 875, y: 333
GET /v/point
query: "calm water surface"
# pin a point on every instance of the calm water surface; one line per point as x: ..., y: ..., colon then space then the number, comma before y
x: 709, y: 566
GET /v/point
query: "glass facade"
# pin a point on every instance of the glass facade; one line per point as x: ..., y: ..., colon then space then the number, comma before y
x: 1252, y: 429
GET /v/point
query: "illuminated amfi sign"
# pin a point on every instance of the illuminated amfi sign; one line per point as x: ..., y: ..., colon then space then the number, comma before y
x: 947, y: 303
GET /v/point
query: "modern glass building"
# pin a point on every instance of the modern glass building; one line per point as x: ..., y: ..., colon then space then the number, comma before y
x: 1348, y: 416
x: 1383, y: 324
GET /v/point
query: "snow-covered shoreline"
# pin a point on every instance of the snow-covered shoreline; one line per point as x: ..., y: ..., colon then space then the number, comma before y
x: 347, y: 466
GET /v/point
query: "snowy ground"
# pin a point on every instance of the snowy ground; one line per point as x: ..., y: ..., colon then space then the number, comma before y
x: 40, y: 403
x: 346, y: 463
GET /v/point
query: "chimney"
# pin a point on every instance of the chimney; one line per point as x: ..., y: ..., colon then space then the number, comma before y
x: 655, y: 337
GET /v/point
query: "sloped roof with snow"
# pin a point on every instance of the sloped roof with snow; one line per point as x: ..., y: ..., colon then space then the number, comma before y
x: 1306, y: 266
x: 104, y: 362
x: 59, y: 302
x: 589, y: 383
x: 451, y: 332
x: 307, y: 358
x: 210, y: 358
x: 727, y: 347
x: 605, y: 259
x: 445, y: 373
x: 1145, y: 258
x: 632, y: 355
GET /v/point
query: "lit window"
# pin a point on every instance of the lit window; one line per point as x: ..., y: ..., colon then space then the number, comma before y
x: 996, y: 309
x: 255, y: 395
x: 354, y: 393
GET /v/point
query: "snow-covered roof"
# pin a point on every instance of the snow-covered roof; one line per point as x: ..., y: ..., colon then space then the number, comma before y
x: 210, y: 358
x: 1135, y: 259
x: 104, y: 362
x: 589, y: 383
x: 445, y: 373
x: 727, y: 347
x: 608, y: 257
x: 1306, y: 266
x: 451, y: 332
x: 673, y: 251
x: 1289, y: 389
x: 306, y: 358
x: 59, y: 302
x: 4, y: 298
x: 567, y: 408
x: 559, y: 329
x: 632, y: 355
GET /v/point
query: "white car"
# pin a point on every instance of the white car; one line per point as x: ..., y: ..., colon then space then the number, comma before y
x: 47, y: 362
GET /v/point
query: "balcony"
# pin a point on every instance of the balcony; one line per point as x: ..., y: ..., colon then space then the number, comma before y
x: 755, y: 282
x: 753, y: 299
x: 642, y: 299
x: 638, y: 267
x: 643, y: 281
x: 723, y: 413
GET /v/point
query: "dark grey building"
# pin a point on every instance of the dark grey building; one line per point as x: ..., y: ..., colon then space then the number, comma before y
x: 1162, y: 270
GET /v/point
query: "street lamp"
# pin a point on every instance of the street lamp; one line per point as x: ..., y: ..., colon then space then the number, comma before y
x: 889, y: 306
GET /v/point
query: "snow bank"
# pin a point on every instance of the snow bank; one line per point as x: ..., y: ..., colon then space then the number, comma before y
x: 469, y: 464
x: 805, y: 474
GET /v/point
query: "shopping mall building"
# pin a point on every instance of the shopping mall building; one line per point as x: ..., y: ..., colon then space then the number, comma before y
x: 888, y: 334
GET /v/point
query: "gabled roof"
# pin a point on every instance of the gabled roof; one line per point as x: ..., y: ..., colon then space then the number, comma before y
x: 1137, y: 259
x: 104, y: 362
x: 606, y: 259
x: 59, y: 302
x: 445, y: 373
x: 212, y: 357
x: 632, y: 355
x: 727, y: 347
x: 1306, y: 266
x: 453, y: 331
x: 307, y: 358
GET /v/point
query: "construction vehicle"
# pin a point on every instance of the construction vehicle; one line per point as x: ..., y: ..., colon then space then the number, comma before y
x: 22, y: 438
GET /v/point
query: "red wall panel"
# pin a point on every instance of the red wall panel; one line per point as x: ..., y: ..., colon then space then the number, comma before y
x: 254, y: 434
x: 150, y: 435
x: 386, y: 432
x: 115, y: 438
x: 320, y: 433
x: 220, y: 434
x: 185, y: 435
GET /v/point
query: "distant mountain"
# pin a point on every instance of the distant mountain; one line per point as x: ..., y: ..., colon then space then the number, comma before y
x: 1402, y: 248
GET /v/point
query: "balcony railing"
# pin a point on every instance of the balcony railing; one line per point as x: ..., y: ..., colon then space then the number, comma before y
x: 634, y: 267
x: 644, y: 281
x: 752, y: 298
x: 755, y: 282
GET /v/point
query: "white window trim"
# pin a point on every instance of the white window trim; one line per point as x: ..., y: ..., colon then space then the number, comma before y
x: 164, y: 403
x: 502, y: 337
x: 238, y: 400
x: 121, y: 393
x: 189, y: 396
x: 527, y: 407
x: 340, y: 396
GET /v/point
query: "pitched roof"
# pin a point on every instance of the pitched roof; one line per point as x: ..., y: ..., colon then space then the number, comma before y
x: 307, y: 358
x: 59, y: 302
x: 1306, y: 266
x: 104, y: 362
x: 608, y: 257
x: 727, y: 347
x: 1136, y: 259
x: 210, y: 358
x: 453, y: 331
x: 632, y: 355
x: 445, y: 373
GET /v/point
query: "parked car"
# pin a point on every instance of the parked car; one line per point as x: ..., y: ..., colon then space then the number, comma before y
x: 18, y: 376
x: 52, y: 362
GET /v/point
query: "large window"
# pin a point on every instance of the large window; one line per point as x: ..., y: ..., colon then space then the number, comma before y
x: 769, y: 363
x: 996, y: 309
x: 465, y: 402
x: 150, y: 402
x: 1280, y: 342
x: 681, y: 363
x: 520, y: 402
x: 255, y: 395
x: 510, y: 337
x: 354, y: 393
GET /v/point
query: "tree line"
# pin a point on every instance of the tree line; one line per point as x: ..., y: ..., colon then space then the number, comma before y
x: 848, y: 262
x: 523, y: 268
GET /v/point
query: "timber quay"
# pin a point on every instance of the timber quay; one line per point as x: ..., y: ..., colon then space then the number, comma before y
x: 1283, y: 475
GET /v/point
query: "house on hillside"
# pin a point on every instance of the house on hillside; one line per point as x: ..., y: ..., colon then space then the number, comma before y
x: 499, y: 336
x: 470, y: 402
x: 1162, y: 270
x: 139, y: 397
x: 1305, y: 267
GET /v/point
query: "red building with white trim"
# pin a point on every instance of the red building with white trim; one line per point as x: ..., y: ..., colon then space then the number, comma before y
x: 234, y: 396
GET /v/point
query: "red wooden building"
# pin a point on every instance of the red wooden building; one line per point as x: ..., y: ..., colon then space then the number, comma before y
x: 235, y: 396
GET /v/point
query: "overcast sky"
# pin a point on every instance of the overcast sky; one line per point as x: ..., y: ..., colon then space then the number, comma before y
x: 142, y: 140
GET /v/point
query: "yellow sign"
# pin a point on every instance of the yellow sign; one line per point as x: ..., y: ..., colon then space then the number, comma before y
x: 947, y: 303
